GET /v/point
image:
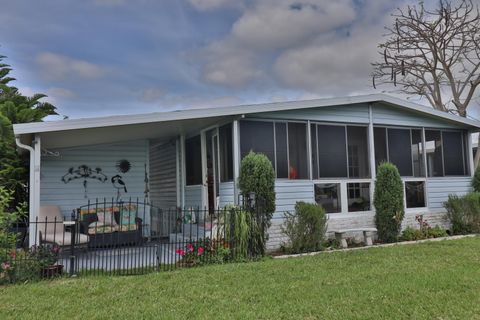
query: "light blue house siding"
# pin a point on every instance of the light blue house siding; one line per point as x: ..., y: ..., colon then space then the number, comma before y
x: 288, y: 192
x: 71, y: 195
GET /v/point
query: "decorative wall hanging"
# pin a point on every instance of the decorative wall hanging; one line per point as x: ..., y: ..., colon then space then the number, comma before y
x: 123, y: 166
x: 84, y: 172
x: 118, y: 184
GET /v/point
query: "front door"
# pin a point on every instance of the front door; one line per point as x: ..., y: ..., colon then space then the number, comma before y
x: 212, y: 169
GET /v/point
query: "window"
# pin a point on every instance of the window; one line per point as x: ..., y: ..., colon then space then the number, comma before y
x: 226, y: 153
x: 284, y: 143
x: 417, y: 153
x: 358, y: 197
x: 332, y: 152
x: 281, y: 150
x: 433, y: 147
x: 358, y: 163
x: 415, y: 194
x: 453, y: 153
x: 257, y: 136
x: 399, y: 150
x: 297, y: 151
x: 328, y: 196
x: 340, y: 151
x: 193, y: 161
x: 380, y: 142
x: 402, y: 147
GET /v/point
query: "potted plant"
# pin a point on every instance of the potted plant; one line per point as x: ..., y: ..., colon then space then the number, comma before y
x: 46, y: 257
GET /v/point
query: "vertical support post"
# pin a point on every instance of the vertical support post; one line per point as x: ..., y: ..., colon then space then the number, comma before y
x: 72, y: 247
x: 183, y: 168
x: 35, y: 188
x: 309, y: 150
x: 471, y: 163
x: 425, y: 168
x: 371, y: 153
x: 203, y: 142
x: 178, y: 164
x: 236, y: 160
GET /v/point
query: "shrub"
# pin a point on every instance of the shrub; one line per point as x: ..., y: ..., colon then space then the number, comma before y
x: 305, y: 229
x: 388, y: 202
x: 258, y: 177
x: 464, y: 213
x: 412, y: 234
x: 476, y: 180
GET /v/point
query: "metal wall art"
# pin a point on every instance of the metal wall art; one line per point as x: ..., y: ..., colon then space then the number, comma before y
x: 84, y: 172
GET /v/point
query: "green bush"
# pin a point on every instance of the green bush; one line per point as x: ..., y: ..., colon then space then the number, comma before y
x: 258, y: 177
x: 464, y: 213
x: 388, y: 202
x: 305, y: 229
x: 476, y: 180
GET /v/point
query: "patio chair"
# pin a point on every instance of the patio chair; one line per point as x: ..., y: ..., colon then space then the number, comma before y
x: 51, y: 228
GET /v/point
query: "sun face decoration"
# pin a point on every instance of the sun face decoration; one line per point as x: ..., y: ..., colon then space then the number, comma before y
x: 123, y: 166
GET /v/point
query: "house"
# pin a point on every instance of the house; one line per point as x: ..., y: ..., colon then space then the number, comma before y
x: 323, y: 151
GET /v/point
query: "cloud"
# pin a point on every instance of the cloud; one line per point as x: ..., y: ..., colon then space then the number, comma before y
x: 60, y: 67
x: 151, y: 94
x: 206, y: 5
x: 61, y: 93
x: 283, y: 23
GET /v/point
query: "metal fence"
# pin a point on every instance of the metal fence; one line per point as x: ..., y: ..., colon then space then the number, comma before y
x: 109, y: 237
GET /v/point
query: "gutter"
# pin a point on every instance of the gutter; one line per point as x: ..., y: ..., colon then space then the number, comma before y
x: 31, y: 193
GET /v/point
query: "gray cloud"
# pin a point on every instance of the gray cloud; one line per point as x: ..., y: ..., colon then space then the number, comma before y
x: 59, y: 67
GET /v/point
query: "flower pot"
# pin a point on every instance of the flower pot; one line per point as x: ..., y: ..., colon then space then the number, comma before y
x: 52, y: 271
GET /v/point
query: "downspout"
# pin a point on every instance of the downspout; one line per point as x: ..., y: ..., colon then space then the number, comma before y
x: 31, y: 193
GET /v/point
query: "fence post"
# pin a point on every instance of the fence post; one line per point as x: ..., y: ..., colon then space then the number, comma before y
x: 72, y: 247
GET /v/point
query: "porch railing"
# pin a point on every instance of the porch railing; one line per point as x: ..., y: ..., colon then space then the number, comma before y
x: 133, y: 237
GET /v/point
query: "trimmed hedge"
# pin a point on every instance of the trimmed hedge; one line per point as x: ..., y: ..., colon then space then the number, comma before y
x: 388, y: 202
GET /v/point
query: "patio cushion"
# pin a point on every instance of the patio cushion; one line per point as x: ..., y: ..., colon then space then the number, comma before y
x: 101, y: 228
x: 65, y: 239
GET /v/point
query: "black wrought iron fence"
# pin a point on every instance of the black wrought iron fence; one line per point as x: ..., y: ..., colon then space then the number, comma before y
x: 133, y: 237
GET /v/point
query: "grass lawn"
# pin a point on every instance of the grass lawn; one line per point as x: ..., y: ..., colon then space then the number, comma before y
x: 438, y: 280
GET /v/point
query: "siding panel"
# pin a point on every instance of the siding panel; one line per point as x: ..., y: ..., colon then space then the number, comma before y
x: 193, y: 196
x: 396, y: 116
x: 346, y: 113
x: 440, y: 188
x: 163, y: 175
x: 71, y: 195
x: 226, y: 194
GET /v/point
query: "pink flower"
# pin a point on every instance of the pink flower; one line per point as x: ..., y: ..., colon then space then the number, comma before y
x: 5, y: 266
x: 180, y: 252
x: 190, y: 247
x: 200, y: 251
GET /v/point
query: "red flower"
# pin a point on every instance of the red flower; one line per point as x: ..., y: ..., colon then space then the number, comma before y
x: 200, y: 251
x: 190, y: 247
x: 180, y: 252
x: 13, y: 254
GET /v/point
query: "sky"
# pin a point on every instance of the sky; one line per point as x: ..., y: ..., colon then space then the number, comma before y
x: 109, y: 57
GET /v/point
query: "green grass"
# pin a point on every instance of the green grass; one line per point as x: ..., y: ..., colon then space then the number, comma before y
x: 438, y: 280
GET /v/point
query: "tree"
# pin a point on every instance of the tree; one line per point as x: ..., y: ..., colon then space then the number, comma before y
x: 388, y: 202
x: 16, y: 108
x: 434, y: 54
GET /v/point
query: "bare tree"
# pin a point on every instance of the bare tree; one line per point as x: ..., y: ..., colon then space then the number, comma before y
x: 434, y: 54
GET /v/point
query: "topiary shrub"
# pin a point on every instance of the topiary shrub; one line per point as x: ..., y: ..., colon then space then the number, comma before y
x: 258, y: 177
x: 305, y: 229
x: 464, y: 213
x: 388, y: 202
x: 476, y: 180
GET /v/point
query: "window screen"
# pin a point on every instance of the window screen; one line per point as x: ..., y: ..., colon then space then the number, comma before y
x: 433, y: 147
x: 297, y: 151
x: 399, y: 150
x: 193, y: 161
x: 453, y: 153
x: 257, y: 136
x: 332, y: 152
x: 358, y: 162
x: 281, y: 150
x: 226, y: 153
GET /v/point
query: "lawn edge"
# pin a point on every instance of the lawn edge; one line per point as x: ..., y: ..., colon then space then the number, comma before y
x: 384, y: 245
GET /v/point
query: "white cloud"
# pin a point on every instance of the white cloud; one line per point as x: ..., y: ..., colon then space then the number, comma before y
x: 206, y: 5
x: 276, y: 24
x: 59, y: 67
